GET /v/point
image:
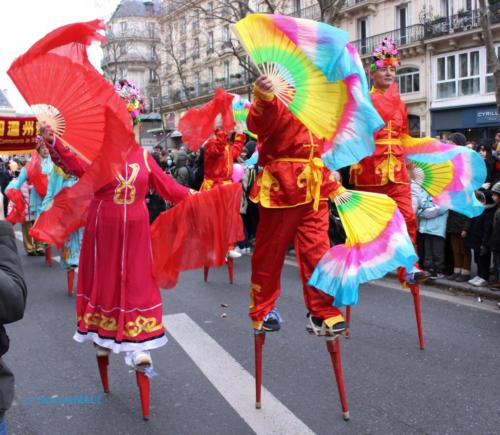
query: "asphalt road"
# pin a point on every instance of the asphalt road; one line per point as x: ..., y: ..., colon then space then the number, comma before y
x: 392, y: 387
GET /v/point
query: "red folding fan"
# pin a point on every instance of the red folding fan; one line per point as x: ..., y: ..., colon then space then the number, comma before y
x: 64, y: 89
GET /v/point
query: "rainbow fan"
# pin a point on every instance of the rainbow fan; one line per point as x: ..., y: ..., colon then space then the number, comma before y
x: 309, y: 64
x: 377, y: 243
x: 241, y: 108
x: 449, y: 173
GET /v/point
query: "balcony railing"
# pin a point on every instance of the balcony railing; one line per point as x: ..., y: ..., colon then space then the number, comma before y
x: 311, y: 12
x: 204, y: 90
x: 463, y: 21
x: 402, y: 37
x: 128, y: 57
x: 133, y: 34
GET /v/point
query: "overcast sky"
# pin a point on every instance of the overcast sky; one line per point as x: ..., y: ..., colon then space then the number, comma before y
x: 26, y: 21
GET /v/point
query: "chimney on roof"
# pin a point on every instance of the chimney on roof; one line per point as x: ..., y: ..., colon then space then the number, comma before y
x: 149, y: 6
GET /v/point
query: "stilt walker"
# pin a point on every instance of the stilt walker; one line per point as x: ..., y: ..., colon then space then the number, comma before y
x: 219, y: 155
x: 70, y: 251
x: 294, y: 186
x: 440, y: 169
x: 37, y: 173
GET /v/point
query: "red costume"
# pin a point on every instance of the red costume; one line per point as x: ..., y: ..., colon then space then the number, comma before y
x: 385, y: 170
x: 118, y: 304
x: 292, y: 191
x: 219, y: 158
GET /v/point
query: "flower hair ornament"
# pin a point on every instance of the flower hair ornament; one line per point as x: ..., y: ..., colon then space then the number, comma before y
x: 131, y: 95
x: 386, y: 54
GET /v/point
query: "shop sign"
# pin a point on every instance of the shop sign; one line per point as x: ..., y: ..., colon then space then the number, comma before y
x: 487, y: 116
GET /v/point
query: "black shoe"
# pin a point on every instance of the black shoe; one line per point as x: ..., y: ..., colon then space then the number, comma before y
x: 453, y: 276
x: 462, y: 278
x: 272, y: 322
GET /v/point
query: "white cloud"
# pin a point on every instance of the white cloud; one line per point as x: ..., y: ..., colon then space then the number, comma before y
x: 26, y: 21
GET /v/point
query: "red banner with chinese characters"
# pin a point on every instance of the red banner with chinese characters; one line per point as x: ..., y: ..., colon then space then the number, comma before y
x: 18, y: 135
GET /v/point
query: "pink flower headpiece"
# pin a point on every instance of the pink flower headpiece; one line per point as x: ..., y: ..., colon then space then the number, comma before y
x: 386, y: 54
x: 131, y: 95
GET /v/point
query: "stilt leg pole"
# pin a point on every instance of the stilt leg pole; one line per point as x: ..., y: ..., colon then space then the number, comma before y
x: 260, y: 339
x: 205, y: 273
x: 71, y: 280
x: 230, y: 269
x: 144, y: 391
x: 102, y: 363
x: 347, y: 333
x: 48, y: 256
x: 333, y: 346
x: 415, y: 292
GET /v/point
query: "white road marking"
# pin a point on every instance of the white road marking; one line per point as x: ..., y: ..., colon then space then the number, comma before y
x: 232, y: 381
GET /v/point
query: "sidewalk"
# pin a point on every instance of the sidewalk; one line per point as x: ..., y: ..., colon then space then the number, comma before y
x: 462, y: 287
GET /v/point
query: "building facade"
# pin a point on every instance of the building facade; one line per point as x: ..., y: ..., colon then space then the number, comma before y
x: 444, y: 78
x: 132, y: 48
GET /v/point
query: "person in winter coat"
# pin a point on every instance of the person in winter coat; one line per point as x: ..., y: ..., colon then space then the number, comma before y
x: 181, y: 171
x: 456, y: 229
x: 495, y: 236
x: 478, y: 238
x: 12, y: 302
x: 432, y: 225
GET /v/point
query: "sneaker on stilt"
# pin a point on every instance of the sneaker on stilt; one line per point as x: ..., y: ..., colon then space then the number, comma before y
x: 325, y: 327
x: 232, y: 253
x: 272, y: 321
x: 417, y: 276
x: 142, y: 359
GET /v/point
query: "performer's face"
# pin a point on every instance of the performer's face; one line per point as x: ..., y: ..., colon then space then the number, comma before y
x: 44, y: 151
x: 383, y: 78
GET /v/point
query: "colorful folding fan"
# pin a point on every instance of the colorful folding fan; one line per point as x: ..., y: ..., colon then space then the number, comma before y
x: 241, y: 108
x: 377, y: 243
x: 449, y: 173
x: 312, y: 67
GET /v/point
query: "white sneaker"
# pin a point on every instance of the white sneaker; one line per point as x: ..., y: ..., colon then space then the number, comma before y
x: 142, y: 359
x: 247, y: 250
x: 480, y: 282
x: 232, y: 253
x: 473, y: 280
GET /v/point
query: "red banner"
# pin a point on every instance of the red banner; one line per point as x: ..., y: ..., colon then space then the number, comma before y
x: 18, y: 135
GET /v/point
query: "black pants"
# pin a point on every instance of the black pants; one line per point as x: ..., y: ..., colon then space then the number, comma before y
x: 434, y: 253
x: 483, y: 262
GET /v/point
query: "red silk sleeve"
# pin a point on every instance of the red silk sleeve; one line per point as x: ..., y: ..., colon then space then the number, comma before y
x: 164, y: 184
x: 262, y: 115
x: 239, y: 142
x: 72, y: 163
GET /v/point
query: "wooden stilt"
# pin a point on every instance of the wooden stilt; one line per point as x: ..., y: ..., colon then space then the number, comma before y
x: 144, y: 391
x: 71, y: 279
x: 259, y: 339
x: 230, y: 269
x: 48, y: 256
x: 415, y: 292
x: 102, y: 363
x: 347, y: 333
x: 205, y: 273
x: 333, y: 346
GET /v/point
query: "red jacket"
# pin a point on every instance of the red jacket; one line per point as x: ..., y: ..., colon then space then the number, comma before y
x: 387, y: 163
x: 294, y: 173
x: 219, y: 158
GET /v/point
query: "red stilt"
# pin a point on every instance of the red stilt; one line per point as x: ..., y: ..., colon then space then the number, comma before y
x: 347, y: 333
x: 259, y: 339
x: 71, y: 279
x: 230, y: 269
x: 143, y: 384
x: 48, y: 256
x: 205, y: 273
x: 333, y: 346
x: 415, y: 292
x: 102, y: 363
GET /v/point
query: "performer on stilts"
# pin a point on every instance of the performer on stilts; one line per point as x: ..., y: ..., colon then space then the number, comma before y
x: 36, y: 173
x: 119, y: 306
x: 70, y: 252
